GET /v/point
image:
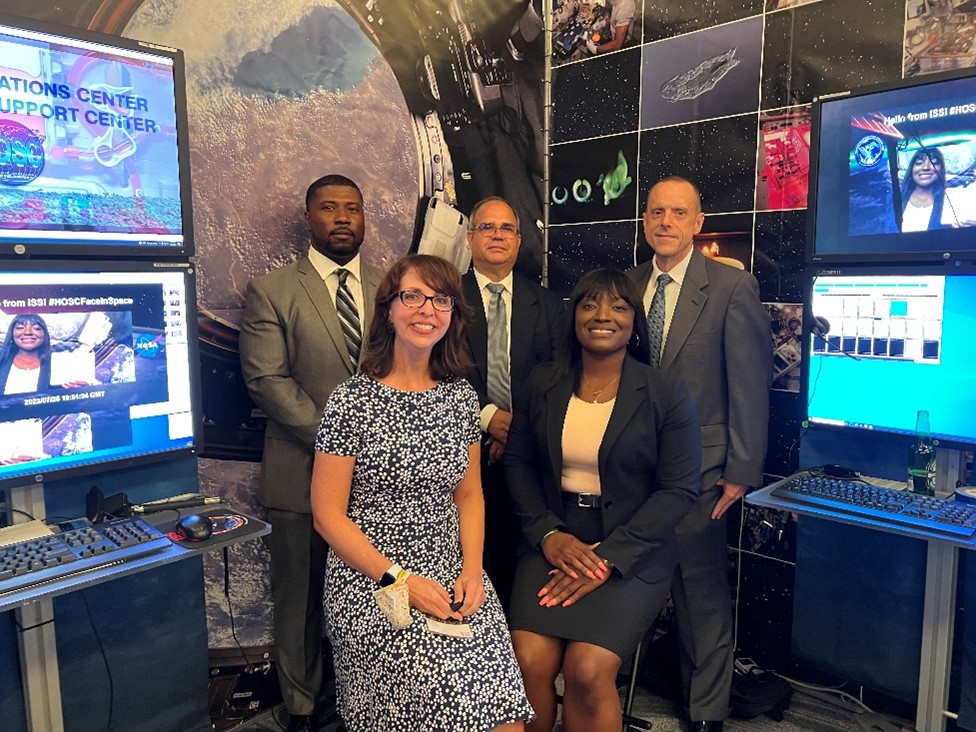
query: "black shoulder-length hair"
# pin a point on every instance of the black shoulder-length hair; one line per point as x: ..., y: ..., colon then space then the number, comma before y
x: 593, y: 285
x: 449, y: 358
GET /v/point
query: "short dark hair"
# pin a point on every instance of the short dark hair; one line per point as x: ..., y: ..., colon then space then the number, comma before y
x: 449, y: 358
x: 679, y: 179
x: 593, y: 285
x: 329, y: 180
x: 490, y: 199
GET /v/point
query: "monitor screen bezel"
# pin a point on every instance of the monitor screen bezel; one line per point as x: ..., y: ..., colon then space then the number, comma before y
x: 810, y: 275
x: 813, y: 257
x: 188, y: 271
x: 49, y: 248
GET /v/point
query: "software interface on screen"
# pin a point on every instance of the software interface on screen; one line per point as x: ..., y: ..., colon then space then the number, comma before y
x: 897, y: 343
x: 95, y: 366
x: 88, y: 144
x: 896, y: 172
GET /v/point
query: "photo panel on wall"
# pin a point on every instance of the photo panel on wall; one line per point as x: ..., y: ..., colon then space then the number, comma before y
x: 711, y: 73
x: 576, y: 249
x: 596, y: 97
x: 594, y: 180
x: 826, y: 47
x: 718, y: 155
x: 666, y: 18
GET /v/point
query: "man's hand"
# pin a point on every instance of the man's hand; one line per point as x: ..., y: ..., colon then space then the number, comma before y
x: 591, y: 46
x: 496, y: 450
x: 731, y: 492
x: 498, y: 425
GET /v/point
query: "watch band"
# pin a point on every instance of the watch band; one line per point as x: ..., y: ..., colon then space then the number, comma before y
x: 391, y: 575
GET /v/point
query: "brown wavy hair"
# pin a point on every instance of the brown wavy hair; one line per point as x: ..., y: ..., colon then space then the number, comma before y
x: 449, y: 358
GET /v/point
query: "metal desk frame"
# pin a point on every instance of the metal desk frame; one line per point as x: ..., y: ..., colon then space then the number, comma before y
x: 938, y: 615
x: 34, y: 609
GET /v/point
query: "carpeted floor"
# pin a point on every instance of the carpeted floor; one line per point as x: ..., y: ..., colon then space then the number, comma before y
x: 807, y: 713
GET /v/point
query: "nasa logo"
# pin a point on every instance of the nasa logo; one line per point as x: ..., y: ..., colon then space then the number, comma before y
x: 21, y: 154
x: 147, y: 346
x: 869, y: 151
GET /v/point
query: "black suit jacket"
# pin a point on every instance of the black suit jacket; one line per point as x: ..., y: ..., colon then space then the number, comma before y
x: 536, y: 319
x: 649, y: 464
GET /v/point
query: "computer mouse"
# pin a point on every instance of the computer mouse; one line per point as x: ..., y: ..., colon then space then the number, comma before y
x: 195, y: 527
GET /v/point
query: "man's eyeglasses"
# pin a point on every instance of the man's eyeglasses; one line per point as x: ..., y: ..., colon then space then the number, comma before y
x: 506, y: 230
x: 416, y: 299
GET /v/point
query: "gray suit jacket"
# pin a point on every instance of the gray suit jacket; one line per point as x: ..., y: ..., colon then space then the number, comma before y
x: 293, y: 355
x: 720, y: 346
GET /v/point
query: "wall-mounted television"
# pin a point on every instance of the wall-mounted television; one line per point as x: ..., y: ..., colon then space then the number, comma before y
x: 99, y: 366
x: 893, y: 172
x: 94, y: 154
x: 893, y: 341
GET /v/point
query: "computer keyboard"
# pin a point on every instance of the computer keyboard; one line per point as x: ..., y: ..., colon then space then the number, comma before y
x: 75, y: 550
x: 897, y: 507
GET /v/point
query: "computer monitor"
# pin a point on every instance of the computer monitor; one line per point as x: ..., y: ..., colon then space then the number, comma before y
x: 94, y: 154
x: 893, y: 342
x: 98, y: 367
x: 893, y: 172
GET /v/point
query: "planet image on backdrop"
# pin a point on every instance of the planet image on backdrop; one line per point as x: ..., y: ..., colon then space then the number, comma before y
x: 276, y: 100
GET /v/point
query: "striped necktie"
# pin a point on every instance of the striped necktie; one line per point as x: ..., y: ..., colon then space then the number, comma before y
x: 655, y: 319
x: 499, y: 379
x: 348, y: 317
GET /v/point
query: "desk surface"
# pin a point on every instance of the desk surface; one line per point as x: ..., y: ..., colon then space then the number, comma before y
x: 173, y: 553
x: 764, y: 499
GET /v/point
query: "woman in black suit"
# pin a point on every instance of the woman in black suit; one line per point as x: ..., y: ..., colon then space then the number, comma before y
x: 602, y: 463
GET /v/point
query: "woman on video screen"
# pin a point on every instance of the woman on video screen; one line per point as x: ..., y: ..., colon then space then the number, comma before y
x: 923, y: 191
x: 25, y: 357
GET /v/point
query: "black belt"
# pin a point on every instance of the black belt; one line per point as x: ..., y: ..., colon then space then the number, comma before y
x: 583, y: 500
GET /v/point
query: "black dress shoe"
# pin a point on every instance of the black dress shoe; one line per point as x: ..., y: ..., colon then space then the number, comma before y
x: 302, y: 723
x: 706, y: 726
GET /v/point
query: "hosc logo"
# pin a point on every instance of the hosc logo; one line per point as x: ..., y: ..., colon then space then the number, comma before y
x: 21, y: 154
x: 869, y: 151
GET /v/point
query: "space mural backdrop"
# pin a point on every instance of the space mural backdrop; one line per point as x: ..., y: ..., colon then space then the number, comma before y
x: 718, y: 91
x: 715, y: 90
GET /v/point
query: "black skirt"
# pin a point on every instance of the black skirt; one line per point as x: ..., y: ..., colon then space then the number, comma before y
x: 614, y: 616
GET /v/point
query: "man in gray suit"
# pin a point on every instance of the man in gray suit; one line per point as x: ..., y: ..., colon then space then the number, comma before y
x: 300, y: 337
x: 714, y: 333
x: 530, y: 314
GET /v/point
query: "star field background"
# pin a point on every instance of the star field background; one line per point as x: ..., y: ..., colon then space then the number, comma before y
x: 817, y: 48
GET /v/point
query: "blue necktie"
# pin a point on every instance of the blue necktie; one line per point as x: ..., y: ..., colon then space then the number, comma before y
x: 655, y: 319
x: 499, y: 378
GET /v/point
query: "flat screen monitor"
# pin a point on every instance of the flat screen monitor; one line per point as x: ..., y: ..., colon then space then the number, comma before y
x: 896, y: 342
x: 98, y: 367
x: 94, y: 154
x: 893, y: 173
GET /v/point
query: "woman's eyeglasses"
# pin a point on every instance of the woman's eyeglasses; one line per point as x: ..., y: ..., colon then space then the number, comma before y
x: 416, y: 299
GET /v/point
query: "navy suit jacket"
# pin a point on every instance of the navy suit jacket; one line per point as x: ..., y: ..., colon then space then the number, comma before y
x: 649, y: 465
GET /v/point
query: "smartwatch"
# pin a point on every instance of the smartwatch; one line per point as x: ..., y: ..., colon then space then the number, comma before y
x: 389, y: 577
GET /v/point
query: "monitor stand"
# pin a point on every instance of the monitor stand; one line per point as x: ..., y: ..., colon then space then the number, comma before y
x: 35, y: 637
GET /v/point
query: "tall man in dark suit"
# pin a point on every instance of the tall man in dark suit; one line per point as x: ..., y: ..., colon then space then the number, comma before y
x: 512, y: 331
x: 301, y: 335
x: 711, y: 330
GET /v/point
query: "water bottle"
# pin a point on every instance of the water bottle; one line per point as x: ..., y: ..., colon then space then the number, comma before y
x: 921, y: 463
